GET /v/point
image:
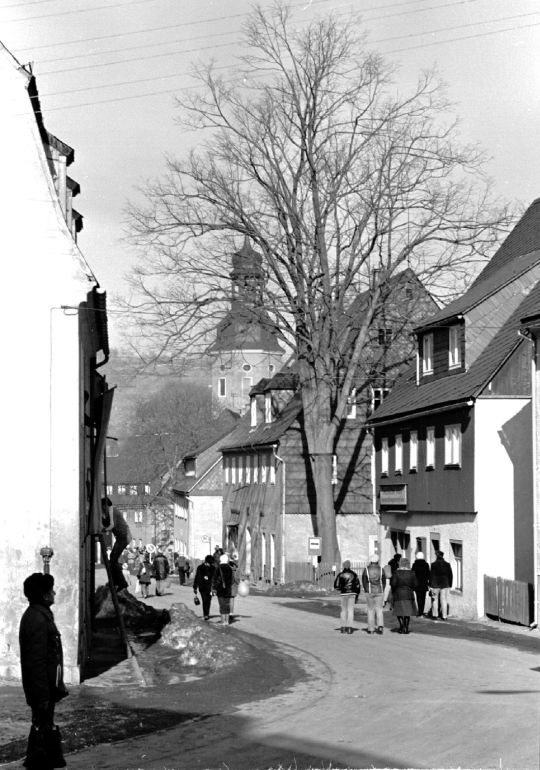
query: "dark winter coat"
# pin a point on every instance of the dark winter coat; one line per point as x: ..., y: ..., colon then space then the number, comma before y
x: 422, y: 572
x: 347, y: 582
x: 202, y: 581
x: 222, y: 580
x: 161, y: 567
x: 41, y: 657
x: 145, y: 573
x: 403, y: 583
x: 373, y: 579
x: 441, y: 574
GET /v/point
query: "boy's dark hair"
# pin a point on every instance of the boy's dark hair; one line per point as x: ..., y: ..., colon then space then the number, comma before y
x: 36, y: 586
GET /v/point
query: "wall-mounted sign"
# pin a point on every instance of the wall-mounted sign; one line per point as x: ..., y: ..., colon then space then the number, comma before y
x: 393, y: 494
x: 314, y: 546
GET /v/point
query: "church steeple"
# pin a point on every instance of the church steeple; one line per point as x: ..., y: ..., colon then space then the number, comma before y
x: 246, y: 347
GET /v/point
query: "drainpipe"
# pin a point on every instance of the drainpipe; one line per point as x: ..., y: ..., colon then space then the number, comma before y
x: 526, y: 335
x: 283, y: 478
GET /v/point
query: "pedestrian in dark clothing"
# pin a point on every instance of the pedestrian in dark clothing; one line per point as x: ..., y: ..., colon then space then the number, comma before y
x: 161, y: 570
x: 42, y: 672
x: 422, y: 572
x: 113, y: 521
x: 441, y: 579
x: 403, y: 584
x: 394, y: 562
x: 218, y: 553
x: 184, y: 569
x: 222, y: 582
x: 348, y: 583
x: 203, y: 583
x: 144, y: 576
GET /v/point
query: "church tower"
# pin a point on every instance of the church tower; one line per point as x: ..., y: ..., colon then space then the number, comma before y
x: 246, y: 349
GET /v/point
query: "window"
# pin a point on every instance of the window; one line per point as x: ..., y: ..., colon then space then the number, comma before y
x: 351, y: 405
x: 401, y: 541
x: 227, y: 469
x: 454, y: 347
x: 452, y: 445
x: 253, y: 411
x: 133, y: 489
x: 233, y: 470
x: 434, y: 545
x: 246, y: 367
x: 385, y: 336
x: 456, y: 562
x: 377, y: 396
x: 109, y: 489
x: 427, y: 354
x: 124, y: 515
x: 384, y: 456
x: 121, y: 489
x: 248, y: 469
x: 271, y: 368
x: 273, y: 463
x: 189, y: 467
x: 147, y: 489
x: 247, y: 383
x: 222, y: 387
x: 138, y: 517
x: 255, y: 459
x: 241, y: 461
x: 430, y: 447
x: 262, y: 460
x: 413, y: 450
x: 334, y: 469
x: 398, y: 453
x: 268, y: 407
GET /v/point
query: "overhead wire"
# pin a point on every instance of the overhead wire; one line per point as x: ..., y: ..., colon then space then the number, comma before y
x: 182, y: 74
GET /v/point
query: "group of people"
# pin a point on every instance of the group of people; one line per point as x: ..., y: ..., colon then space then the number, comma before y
x: 398, y: 584
x: 217, y: 576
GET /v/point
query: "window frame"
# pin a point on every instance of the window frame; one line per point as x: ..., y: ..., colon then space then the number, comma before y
x: 430, y: 447
x: 456, y: 562
x: 268, y: 407
x: 454, y: 347
x: 222, y: 387
x: 452, y: 445
x: 384, y: 456
x: 398, y: 454
x: 427, y: 353
x: 413, y: 456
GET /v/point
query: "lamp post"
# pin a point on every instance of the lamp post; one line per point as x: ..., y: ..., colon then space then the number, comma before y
x: 46, y: 554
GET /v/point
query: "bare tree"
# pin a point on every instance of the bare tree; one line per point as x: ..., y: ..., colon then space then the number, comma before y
x: 338, y: 181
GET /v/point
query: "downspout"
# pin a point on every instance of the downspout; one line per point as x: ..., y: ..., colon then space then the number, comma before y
x: 535, y: 438
x: 282, y: 515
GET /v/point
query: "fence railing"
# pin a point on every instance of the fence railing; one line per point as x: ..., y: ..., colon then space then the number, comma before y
x: 510, y: 600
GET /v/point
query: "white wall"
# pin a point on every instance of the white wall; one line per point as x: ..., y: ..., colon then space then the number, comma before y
x: 503, y: 451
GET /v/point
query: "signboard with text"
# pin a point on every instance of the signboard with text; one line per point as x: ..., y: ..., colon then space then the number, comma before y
x: 393, y: 495
x: 314, y: 546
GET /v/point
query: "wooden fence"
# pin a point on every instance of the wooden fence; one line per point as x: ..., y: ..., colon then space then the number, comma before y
x: 323, y: 574
x: 510, y: 600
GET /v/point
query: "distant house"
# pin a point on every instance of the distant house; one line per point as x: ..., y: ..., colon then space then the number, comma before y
x: 269, y: 496
x: 56, y: 402
x: 453, y: 439
x: 198, y: 496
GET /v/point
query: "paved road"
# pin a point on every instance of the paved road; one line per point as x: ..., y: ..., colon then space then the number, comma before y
x: 443, y: 697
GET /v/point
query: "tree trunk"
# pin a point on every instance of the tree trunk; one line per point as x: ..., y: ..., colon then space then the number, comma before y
x: 326, y: 516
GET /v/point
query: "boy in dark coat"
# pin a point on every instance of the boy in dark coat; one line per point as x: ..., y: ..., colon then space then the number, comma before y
x: 42, y: 672
x: 203, y: 583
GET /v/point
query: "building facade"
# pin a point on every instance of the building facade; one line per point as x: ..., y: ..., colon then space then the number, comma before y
x: 54, y: 317
x: 453, y: 439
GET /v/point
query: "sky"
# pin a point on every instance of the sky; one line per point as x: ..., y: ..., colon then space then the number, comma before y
x: 107, y: 72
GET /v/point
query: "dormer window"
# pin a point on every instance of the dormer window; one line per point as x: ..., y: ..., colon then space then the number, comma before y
x: 377, y: 396
x: 427, y: 353
x: 454, y: 347
x: 253, y: 411
x: 189, y: 467
x: 268, y: 407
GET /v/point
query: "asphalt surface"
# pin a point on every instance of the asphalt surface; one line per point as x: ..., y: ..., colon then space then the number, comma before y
x: 449, y: 695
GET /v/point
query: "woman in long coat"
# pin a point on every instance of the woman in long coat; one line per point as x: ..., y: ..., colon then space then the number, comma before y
x: 403, y: 583
x: 222, y: 587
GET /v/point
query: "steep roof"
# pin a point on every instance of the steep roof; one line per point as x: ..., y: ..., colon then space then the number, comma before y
x: 408, y: 398
x: 246, y: 437
x: 518, y: 253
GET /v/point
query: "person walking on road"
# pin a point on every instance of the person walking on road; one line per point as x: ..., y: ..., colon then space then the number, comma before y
x: 222, y: 582
x: 348, y: 584
x: 441, y: 580
x: 144, y: 576
x: 184, y: 569
x: 42, y: 672
x: 403, y: 584
x: 373, y: 583
x: 203, y: 583
x: 161, y: 570
x: 422, y: 572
